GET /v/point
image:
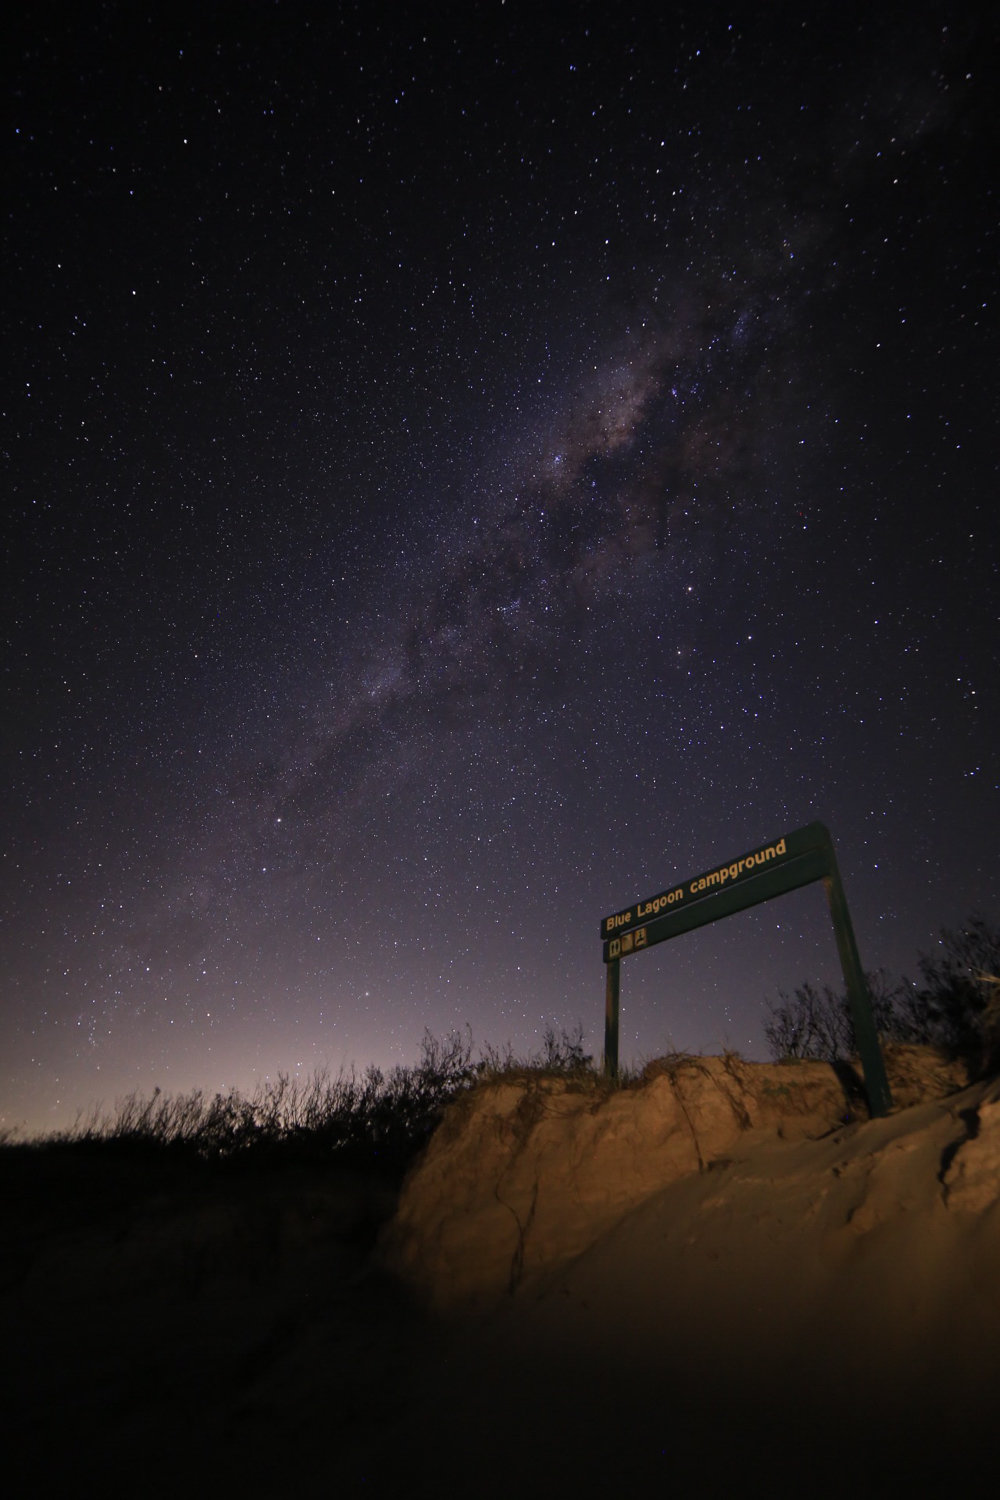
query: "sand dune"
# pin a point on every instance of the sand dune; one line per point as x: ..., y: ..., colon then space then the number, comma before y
x: 704, y: 1282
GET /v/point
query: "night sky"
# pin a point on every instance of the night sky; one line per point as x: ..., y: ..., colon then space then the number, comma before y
x: 462, y: 472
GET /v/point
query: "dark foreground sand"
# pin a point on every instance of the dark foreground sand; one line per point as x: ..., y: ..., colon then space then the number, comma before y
x: 173, y: 1330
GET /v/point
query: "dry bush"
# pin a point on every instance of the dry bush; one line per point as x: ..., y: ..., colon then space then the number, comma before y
x: 953, y: 1007
x: 371, y: 1117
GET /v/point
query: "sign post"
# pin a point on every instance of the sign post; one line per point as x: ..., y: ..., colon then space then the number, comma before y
x: 612, y: 979
x: 796, y: 859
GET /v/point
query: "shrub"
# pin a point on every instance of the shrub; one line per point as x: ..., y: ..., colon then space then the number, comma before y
x: 374, y: 1117
x: 564, y: 1053
x: 949, y: 1007
x: 952, y: 1007
x: 817, y: 1023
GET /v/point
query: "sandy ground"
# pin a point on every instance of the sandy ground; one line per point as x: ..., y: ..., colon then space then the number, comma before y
x: 805, y: 1318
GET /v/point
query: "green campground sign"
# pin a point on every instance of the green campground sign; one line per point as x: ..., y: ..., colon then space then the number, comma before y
x: 769, y: 870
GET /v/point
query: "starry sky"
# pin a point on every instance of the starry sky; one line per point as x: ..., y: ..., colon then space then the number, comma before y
x: 463, y: 471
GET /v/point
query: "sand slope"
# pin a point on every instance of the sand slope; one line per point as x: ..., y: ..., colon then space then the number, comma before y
x: 798, y: 1309
x: 528, y: 1172
x: 705, y: 1284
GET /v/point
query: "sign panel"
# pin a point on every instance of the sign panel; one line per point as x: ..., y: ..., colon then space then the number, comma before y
x: 721, y: 901
x: 709, y: 882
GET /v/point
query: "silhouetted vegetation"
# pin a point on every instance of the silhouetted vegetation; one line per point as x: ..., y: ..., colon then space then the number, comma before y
x: 372, y: 1119
x: 955, y: 1006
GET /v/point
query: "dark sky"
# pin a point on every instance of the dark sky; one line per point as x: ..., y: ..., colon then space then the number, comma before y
x: 462, y: 472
